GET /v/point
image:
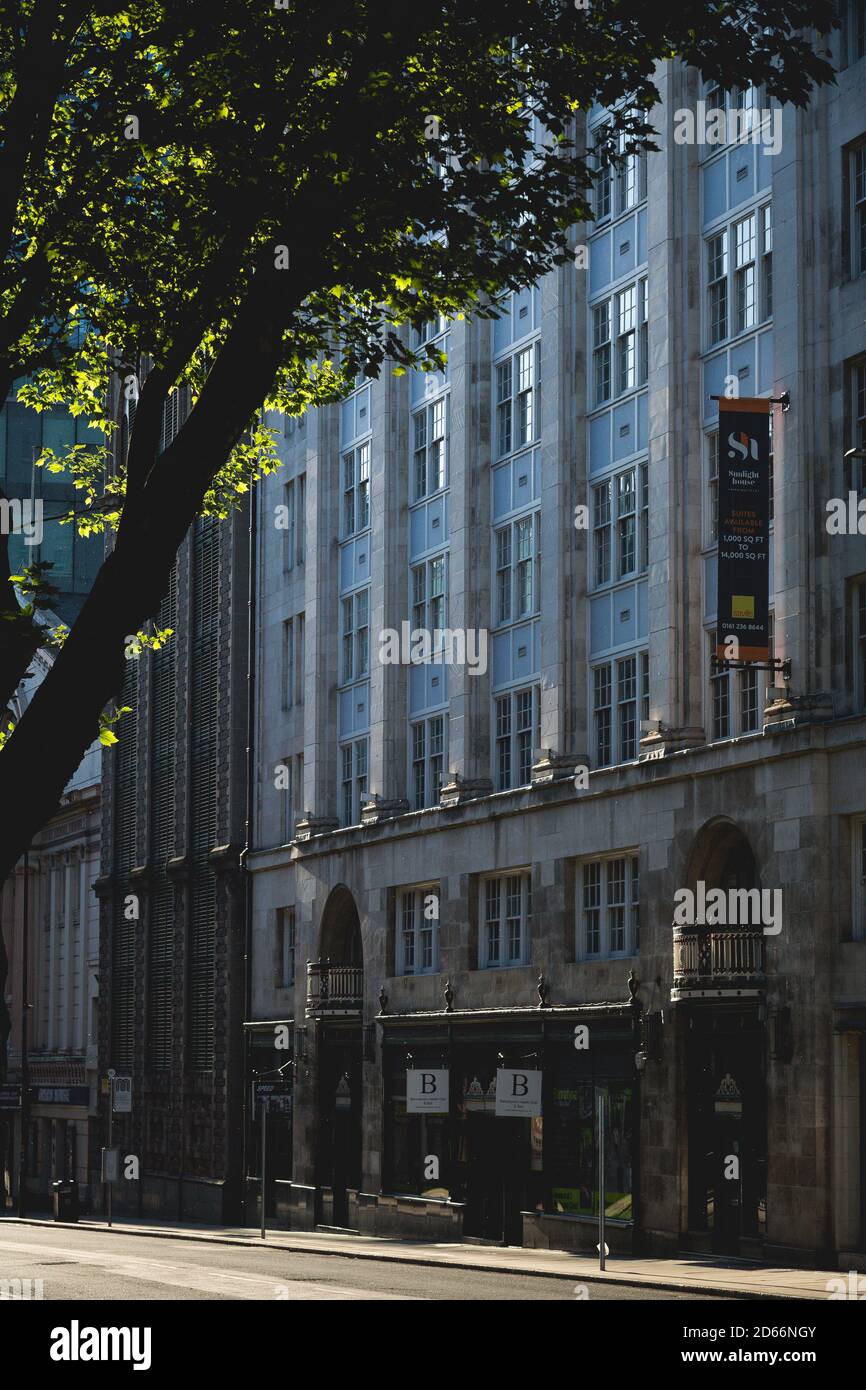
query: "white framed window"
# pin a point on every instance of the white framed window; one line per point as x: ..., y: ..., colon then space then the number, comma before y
x: 300, y: 657
x: 618, y: 186
x: 630, y: 178
x: 301, y: 519
x: 858, y: 635
x: 355, y: 625
x: 859, y: 874
x: 516, y: 735
x: 737, y: 298
x: 517, y: 555
x: 766, y: 262
x: 717, y: 287
x: 285, y: 943
x: 353, y: 780
x: 602, y: 199
x: 429, y: 751
x: 620, y: 526
x: 711, y: 454
x: 505, y: 913
x: 644, y: 678
x: 429, y: 331
x: 620, y: 700
x: 601, y: 352
x: 744, y: 102
x: 417, y: 936
x: 299, y: 787
x: 429, y: 433
x: 745, y: 284
x: 619, y: 342
x: 429, y: 598
x: 356, y: 490
x: 290, y: 542
x: 288, y: 663
x: 857, y: 387
x: 287, y: 801
x: 736, y: 697
x: 608, y: 907
x: 857, y: 181
x: 856, y: 30
x: 517, y: 400
x: 537, y: 135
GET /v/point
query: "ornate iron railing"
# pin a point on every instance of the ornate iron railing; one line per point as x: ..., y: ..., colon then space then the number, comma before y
x: 334, y: 989
x: 722, y: 959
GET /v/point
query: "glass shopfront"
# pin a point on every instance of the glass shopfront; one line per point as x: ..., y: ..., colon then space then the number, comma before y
x: 500, y: 1166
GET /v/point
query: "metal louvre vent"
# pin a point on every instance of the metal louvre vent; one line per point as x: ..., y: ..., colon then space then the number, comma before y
x: 204, y: 821
x: 162, y: 834
x: 125, y: 807
x: 174, y: 413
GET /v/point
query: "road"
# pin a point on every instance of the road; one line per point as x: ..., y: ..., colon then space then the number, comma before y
x: 75, y: 1265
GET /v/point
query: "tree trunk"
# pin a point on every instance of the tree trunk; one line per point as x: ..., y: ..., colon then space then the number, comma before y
x: 62, y: 719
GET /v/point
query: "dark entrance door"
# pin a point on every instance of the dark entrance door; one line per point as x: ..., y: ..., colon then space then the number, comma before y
x: 727, y: 1131
x: 492, y: 1167
x: 340, y: 1123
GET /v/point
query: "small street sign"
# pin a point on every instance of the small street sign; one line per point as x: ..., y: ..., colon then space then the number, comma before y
x: 111, y: 1165
x: 122, y: 1095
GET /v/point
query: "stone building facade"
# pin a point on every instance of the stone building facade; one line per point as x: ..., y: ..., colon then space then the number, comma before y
x: 49, y: 897
x: 433, y: 886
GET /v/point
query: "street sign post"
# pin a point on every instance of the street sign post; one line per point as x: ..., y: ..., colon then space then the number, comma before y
x: 107, y: 1184
x: 264, y: 1105
x: 602, y: 1201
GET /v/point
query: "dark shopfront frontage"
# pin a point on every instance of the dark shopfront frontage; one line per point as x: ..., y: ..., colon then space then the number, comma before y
x: 520, y: 1180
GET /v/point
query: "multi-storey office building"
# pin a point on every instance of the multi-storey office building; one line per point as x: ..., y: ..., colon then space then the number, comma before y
x: 24, y: 435
x: 171, y: 891
x: 49, y: 893
x: 433, y: 886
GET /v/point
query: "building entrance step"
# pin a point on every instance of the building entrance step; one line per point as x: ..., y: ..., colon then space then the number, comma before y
x: 339, y: 1230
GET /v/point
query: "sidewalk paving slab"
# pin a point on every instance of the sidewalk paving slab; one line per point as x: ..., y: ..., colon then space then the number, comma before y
x: 730, y: 1278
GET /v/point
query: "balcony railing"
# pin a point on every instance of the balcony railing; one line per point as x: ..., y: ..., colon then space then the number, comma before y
x: 715, y: 963
x: 334, y: 989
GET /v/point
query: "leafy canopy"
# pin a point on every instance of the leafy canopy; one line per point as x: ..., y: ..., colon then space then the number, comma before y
x: 156, y: 158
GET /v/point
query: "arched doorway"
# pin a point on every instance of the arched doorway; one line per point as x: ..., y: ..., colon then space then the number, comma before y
x: 339, y: 1000
x: 723, y: 997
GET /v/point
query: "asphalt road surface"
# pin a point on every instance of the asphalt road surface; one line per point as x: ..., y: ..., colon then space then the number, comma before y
x: 76, y: 1265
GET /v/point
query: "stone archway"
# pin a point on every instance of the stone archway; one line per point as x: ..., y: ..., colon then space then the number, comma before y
x: 335, y: 998
x: 722, y: 856
x: 720, y: 985
x: 340, y: 930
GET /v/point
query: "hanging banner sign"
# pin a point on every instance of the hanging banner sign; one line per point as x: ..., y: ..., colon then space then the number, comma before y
x: 743, y: 594
x: 427, y: 1092
x: 518, y: 1092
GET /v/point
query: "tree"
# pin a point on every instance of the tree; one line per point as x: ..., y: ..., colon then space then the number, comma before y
x: 250, y: 201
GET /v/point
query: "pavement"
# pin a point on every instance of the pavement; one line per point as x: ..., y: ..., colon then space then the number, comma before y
x: 72, y: 1266
x: 687, y: 1273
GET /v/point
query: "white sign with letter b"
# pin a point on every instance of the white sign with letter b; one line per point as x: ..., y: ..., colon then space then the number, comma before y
x: 427, y: 1092
x: 518, y: 1092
